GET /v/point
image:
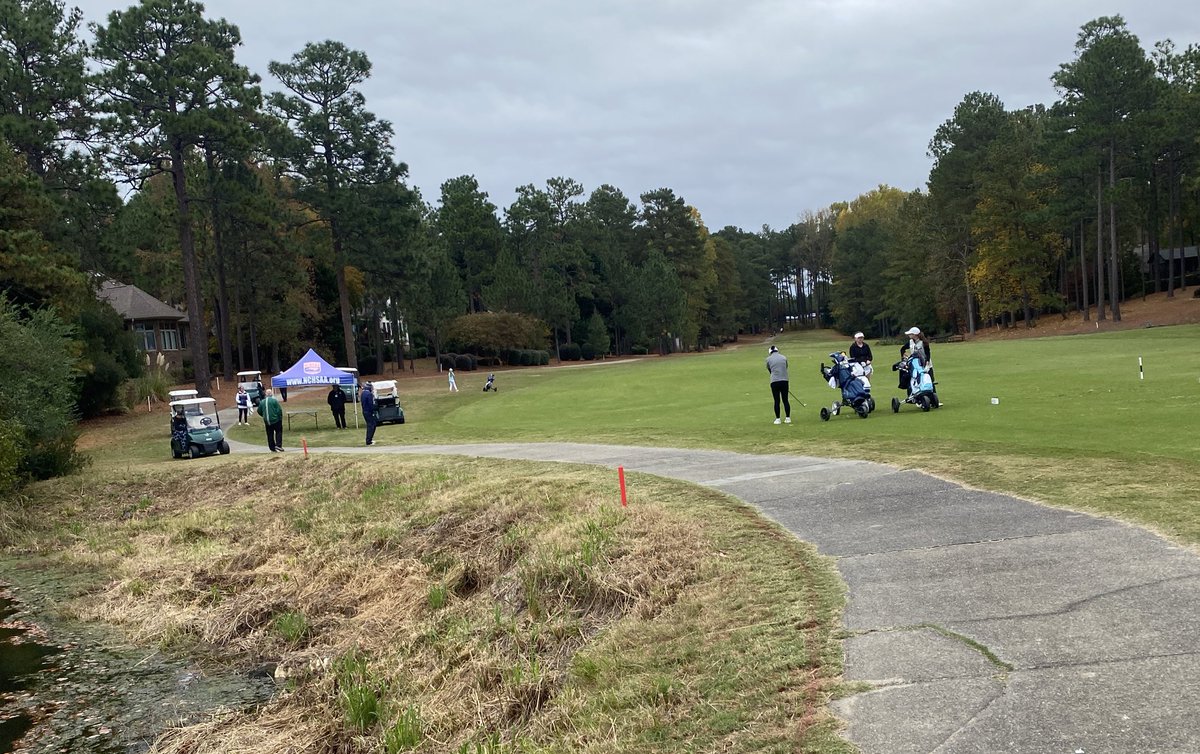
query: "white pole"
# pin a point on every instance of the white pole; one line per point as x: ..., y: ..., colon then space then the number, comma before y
x: 1141, y: 373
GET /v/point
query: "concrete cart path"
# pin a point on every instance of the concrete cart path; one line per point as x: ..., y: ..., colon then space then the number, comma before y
x: 987, y: 623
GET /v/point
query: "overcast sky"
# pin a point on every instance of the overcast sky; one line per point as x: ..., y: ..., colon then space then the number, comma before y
x: 753, y: 111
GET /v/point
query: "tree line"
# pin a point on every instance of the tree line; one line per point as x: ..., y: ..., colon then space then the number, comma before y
x: 283, y: 219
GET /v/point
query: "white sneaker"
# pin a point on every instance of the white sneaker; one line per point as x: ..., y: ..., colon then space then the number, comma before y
x: 778, y: 422
x: 787, y: 420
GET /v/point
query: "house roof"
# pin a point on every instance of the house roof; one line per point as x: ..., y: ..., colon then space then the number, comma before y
x: 134, y: 304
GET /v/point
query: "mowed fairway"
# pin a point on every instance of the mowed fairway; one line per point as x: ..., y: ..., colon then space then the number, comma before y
x: 1074, y: 424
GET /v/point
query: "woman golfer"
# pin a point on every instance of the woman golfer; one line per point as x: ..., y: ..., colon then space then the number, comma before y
x: 777, y: 367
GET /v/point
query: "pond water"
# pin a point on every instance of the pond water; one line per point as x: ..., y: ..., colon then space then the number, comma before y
x: 73, y: 687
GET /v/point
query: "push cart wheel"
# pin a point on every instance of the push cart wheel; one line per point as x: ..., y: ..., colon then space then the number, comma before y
x: 923, y: 402
x: 870, y: 404
x: 895, y: 405
x: 934, y: 399
x: 824, y: 414
x: 863, y: 410
x: 194, y: 451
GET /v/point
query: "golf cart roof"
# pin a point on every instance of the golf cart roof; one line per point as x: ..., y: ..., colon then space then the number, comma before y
x: 178, y: 394
x: 193, y: 402
x: 351, y: 370
x: 251, y: 373
x: 384, y: 385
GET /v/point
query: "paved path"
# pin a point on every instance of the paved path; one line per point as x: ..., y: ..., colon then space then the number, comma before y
x: 988, y: 624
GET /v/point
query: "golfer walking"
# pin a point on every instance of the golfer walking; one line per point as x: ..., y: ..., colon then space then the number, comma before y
x: 777, y: 368
x: 453, y: 382
x: 272, y: 414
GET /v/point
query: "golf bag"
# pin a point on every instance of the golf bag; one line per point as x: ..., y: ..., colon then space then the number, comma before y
x: 916, y: 379
x: 850, y: 378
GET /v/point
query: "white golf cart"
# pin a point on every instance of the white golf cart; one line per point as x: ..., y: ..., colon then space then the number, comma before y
x: 387, y: 403
x: 196, y: 428
x: 251, y: 382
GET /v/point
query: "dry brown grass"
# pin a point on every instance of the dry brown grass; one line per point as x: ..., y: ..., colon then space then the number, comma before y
x: 569, y: 624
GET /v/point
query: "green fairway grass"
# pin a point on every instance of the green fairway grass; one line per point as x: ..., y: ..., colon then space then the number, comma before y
x: 1074, y: 426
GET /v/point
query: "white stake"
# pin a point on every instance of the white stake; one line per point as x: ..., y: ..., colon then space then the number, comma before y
x: 1141, y: 373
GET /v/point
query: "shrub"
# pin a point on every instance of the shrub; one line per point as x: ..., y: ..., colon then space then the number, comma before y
x: 420, y: 352
x: 569, y: 352
x: 639, y: 350
x: 587, y: 351
x: 446, y: 360
x: 12, y: 455
x: 491, y: 332
x: 525, y: 357
x: 464, y: 362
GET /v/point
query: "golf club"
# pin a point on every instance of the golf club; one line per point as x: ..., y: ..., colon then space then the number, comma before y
x: 802, y: 403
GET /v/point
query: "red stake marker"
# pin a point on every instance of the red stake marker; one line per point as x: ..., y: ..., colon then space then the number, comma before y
x: 621, y: 476
x: 304, y: 442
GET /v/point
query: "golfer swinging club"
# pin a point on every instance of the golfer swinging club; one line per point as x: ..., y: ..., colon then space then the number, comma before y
x: 777, y: 366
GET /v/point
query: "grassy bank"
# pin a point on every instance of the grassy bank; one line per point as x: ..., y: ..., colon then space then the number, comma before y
x: 435, y: 605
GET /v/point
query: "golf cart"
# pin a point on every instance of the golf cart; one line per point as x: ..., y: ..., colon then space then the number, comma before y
x: 353, y: 391
x: 196, y: 428
x: 251, y: 382
x: 178, y: 395
x: 387, y: 403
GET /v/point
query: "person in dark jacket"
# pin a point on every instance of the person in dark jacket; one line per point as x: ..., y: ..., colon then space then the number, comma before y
x: 272, y: 414
x: 860, y: 350
x: 368, y: 409
x: 337, y: 406
x: 777, y: 367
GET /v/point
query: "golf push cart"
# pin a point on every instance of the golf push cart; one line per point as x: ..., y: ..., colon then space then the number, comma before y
x: 387, y: 403
x: 196, y: 428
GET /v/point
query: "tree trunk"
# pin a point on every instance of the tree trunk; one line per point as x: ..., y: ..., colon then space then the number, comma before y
x: 397, y: 348
x: 1083, y: 276
x: 1114, y: 269
x: 1100, y: 316
x: 1152, y: 245
x: 339, y: 256
x: 254, y: 362
x: 214, y: 201
x: 197, y: 333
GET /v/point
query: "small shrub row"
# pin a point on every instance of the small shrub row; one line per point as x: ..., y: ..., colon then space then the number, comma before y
x: 525, y: 357
x: 463, y: 362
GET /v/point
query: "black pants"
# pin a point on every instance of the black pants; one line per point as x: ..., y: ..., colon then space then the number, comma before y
x: 339, y: 418
x: 275, y: 435
x: 243, y: 414
x: 370, y: 429
x: 780, y: 390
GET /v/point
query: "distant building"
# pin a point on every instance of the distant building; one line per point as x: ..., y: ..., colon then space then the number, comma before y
x: 1187, y: 256
x: 160, y: 329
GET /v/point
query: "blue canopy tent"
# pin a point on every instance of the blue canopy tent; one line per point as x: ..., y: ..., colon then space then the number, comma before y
x: 311, y: 370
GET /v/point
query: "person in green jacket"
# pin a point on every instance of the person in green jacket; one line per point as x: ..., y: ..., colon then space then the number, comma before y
x: 272, y: 414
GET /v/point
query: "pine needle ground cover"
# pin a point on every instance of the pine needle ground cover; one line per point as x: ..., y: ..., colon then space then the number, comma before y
x: 443, y: 605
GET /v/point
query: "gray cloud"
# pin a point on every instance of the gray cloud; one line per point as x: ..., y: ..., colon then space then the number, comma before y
x: 754, y: 112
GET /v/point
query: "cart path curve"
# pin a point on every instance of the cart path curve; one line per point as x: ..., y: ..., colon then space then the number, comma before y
x: 985, y: 622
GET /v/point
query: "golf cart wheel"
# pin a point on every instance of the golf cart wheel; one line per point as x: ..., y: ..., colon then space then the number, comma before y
x: 863, y: 410
x: 223, y: 448
x: 824, y: 414
x: 923, y: 402
x: 870, y: 404
x: 895, y: 405
x: 194, y: 451
x: 933, y: 399
x: 400, y: 420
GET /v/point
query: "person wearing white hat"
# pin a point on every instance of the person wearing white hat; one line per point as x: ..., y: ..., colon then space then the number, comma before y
x: 918, y: 344
x: 777, y: 368
x: 860, y: 350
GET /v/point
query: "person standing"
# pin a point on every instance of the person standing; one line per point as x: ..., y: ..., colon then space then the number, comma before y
x: 272, y: 414
x: 918, y: 344
x: 453, y: 382
x: 368, y: 409
x: 243, y: 406
x: 860, y: 350
x: 778, y: 369
x: 337, y: 406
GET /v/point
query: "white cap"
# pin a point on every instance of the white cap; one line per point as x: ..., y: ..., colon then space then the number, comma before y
x: 913, y: 331
x: 858, y: 335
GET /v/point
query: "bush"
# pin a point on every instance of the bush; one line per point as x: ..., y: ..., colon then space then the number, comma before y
x: 569, y: 352
x: 541, y: 358
x: 464, y: 362
x: 639, y: 350
x: 487, y: 361
x: 420, y: 352
x: 588, y: 352
x: 492, y: 332
x: 446, y: 360
x: 12, y: 456
x: 525, y: 357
